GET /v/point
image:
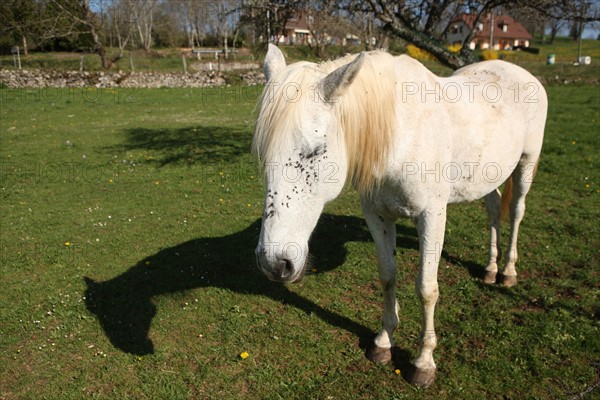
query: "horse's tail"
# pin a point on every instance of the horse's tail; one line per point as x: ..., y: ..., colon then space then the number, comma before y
x: 507, y: 193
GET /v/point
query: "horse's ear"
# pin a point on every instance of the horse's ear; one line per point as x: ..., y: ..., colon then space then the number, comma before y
x: 334, y: 84
x: 274, y: 62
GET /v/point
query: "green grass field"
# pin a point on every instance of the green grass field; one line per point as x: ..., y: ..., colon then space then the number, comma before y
x: 128, y: 225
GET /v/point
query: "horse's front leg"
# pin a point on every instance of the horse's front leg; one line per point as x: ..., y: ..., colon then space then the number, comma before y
x: 384, y: 234
x: 430, y: 225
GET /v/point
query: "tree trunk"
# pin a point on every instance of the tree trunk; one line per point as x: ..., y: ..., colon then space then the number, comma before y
x: 105, y: 61
x: 235, y: 36
x: 553, y: 33
x: 439, y: 51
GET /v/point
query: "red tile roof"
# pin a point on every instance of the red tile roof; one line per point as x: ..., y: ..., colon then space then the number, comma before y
x: 298, y: 22
x: 514, y: 29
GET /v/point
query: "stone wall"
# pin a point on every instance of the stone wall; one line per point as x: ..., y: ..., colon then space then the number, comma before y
x: 60, y: 79
x: 228, y: 66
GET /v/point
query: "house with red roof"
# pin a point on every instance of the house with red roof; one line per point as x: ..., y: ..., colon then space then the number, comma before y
x: 498, y: 32
x: 297, y: 30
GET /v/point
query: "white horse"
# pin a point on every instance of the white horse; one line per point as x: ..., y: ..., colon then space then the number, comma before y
x: 411, y: 143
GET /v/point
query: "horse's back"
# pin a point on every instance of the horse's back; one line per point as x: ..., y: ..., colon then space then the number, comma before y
x: 507, y: 84
x: 476, y: 124
x: 519, y: 92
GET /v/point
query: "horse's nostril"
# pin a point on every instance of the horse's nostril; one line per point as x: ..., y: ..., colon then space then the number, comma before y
x: 284, y: 269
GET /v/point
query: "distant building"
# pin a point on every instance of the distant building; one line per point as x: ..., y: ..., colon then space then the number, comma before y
x: 296, y: 30
x: 499, y: 32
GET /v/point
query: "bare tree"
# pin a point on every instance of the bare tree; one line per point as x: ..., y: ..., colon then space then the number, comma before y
x: 143, y: 12
x: 418, y: 22
x: 224, y: 16
x: 321, y: 16
x: 193, y: 16
x: 423, y: 22
x: 120, y: 15
x: 269, y: 18
x: 80, y: 19
x: 363, y: 24
x: 555, y: 24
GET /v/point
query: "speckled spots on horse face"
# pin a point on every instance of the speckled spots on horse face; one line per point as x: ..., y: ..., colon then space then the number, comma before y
x: 302, y: 170
x: 269, y: 214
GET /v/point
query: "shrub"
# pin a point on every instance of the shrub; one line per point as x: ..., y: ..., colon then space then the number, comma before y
x: 455, y: 48
x: 418, y: 53
x: 489, y: 54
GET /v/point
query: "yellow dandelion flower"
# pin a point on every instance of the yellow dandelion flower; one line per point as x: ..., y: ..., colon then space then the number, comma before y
x: 573, y: 142
x: 397, y: 372
x: 244, y: 355
x: 67, y: 243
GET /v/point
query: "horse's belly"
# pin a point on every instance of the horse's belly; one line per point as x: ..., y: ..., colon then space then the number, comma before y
x: 473, y: 181
x: 396, y: 200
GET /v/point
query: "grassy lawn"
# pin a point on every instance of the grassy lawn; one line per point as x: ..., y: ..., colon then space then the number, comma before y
x: 128, y: 225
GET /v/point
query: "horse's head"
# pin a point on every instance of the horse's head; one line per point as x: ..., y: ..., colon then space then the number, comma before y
x: 298, y: 140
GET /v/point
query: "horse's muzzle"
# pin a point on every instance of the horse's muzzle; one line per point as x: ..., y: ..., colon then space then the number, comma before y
x: 279, y: 270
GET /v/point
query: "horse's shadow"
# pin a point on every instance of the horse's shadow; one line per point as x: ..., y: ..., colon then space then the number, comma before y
x: 123, y: 305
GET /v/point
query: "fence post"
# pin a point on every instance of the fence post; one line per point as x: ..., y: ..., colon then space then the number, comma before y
x: 184, y: 64
x: 16, y: 56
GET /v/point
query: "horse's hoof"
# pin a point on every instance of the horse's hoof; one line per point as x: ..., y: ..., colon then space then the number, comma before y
x: 422, y: 377
x: 379, y: 355
x: 509, y: 280
x: 490, y: 277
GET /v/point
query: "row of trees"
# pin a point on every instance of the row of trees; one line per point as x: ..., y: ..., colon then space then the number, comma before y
x: 103, y: 25
x: 109, y: 27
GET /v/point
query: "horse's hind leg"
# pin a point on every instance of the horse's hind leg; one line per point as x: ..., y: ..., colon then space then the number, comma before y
x: 522, y: 180
x: 492, y: 206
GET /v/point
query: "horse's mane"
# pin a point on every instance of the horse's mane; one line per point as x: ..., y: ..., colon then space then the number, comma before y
x: 365, y: 112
